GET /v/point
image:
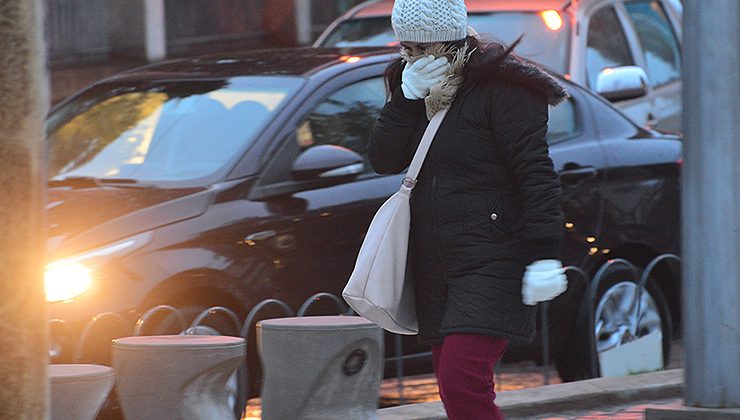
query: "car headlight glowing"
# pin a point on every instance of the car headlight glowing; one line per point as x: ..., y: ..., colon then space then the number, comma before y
x: 66, y: 281
x: 70, y: 277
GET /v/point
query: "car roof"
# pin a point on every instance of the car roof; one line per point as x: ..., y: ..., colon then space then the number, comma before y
x: 302, y: 62
x: 318, y: 64
x: 384, y: 7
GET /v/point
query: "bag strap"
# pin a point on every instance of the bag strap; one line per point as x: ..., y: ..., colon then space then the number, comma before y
x: 421, y: 152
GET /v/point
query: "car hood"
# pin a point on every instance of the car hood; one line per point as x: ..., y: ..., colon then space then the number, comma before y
x: 82, y: 218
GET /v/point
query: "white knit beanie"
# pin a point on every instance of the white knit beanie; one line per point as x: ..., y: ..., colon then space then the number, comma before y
x: 429, y: 20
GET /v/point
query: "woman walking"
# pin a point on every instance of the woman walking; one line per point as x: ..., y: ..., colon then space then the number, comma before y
x: 486, y: 221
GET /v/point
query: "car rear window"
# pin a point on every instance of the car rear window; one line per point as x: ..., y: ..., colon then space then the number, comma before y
x: 545, y: 40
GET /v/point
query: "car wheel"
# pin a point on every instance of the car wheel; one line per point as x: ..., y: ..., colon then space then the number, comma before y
x: 616, y: 323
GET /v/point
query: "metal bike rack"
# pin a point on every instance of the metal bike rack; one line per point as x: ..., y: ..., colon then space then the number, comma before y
x: 243, y: 374
x: 89, y: 327
x: 545, y: 321
x: 591, y: 288
x: 214, y: 311
x: 142, y: 322
x: 244, y: 329
x: 644, y: 278
x: 316, y: 298
x: 591, y: 293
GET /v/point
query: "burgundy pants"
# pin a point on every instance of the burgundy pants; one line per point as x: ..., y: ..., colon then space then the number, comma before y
x: 463, y: 364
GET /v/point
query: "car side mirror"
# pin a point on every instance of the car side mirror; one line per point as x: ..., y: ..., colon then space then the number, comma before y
x: 327, y: 162
x: 318, y: 167
x: 621, y: 83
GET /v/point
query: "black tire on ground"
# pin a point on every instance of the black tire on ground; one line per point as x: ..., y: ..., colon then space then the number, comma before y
x: 573, y: 363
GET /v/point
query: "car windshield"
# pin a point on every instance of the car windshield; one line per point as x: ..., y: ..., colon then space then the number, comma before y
x: 546, y: 36
x: 161, y: 131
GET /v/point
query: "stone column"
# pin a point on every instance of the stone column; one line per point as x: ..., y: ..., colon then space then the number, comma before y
x: 155, y: 30
x: 137, y: 29
x: 304, y: 23
x: 23, y: 106
x: 711, y: 203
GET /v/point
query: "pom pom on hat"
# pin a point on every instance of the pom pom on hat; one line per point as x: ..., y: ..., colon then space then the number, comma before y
x: 429, y: 20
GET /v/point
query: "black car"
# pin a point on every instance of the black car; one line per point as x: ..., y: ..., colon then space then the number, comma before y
x: 233, y: 179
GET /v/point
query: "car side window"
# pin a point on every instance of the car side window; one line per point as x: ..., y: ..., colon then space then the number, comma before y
x: 562, y: 122
x: 345, y: 118
x: 606, y: 44
x: 659, y: 43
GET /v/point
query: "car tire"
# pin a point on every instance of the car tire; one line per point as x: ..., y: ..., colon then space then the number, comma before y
x: 574, y: 361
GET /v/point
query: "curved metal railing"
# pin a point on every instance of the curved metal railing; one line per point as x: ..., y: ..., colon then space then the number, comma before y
x: 148, y: 316
x: 644, y: 279
x: 215, y: 310
x: 545, y: 321
x: 89, y: 327
x: 317, y: 298
x: 244, y: 329
x: 591, y: 293
x: 243, y: 384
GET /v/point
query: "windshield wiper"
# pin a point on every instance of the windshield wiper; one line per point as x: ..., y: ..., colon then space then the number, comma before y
x: 89, y: 181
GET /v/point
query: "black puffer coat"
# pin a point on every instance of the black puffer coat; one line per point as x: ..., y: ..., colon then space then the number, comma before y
x: 486, y: 204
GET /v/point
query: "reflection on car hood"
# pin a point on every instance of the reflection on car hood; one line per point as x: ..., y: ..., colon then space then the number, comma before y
x: 71, y: 212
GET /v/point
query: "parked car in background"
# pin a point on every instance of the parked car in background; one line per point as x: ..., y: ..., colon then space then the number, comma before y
x: 232, y: 179
x: 600, y: 44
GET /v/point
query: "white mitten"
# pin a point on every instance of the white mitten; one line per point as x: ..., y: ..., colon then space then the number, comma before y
x: 418, y: 78
x: 543, y: 280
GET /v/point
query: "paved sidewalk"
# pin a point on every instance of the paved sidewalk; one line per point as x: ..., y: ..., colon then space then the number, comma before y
x: 574, y: 397
x: 422, y: 400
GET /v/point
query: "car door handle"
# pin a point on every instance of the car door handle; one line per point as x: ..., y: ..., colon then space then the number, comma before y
x: 578, y: 173
x: 260, y: 236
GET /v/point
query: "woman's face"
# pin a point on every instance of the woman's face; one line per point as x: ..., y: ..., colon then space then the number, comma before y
x: 437, y: 49
x: 416, y: 49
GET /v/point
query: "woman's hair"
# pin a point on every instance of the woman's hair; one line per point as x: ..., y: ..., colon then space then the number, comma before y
x: 482, y: 64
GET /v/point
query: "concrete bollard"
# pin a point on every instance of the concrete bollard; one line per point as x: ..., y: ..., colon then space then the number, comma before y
x: 176, y: 376
x: 322, y: 367
x: 78, y: 391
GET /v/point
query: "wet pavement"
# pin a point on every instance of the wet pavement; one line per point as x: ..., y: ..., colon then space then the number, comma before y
x: 423, y: 388
x: 632, y: 411
x: 509, y: 377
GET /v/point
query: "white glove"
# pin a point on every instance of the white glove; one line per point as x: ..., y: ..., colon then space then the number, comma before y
x: 543, y: 280
x: 418, y: 78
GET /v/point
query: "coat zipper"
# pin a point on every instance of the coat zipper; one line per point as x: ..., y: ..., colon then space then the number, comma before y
x: 435, y: 230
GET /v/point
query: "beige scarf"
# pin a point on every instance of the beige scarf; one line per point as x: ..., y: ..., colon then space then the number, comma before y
x: 441, y: 95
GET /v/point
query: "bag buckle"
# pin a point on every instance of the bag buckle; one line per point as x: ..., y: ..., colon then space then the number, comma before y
x: 408, y: 183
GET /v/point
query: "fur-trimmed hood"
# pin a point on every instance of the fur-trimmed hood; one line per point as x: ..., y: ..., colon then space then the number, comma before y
x: 493, y: 62
x: 497, y: 63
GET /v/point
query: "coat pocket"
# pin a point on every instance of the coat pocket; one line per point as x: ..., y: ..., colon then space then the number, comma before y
x: 497, y: 218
